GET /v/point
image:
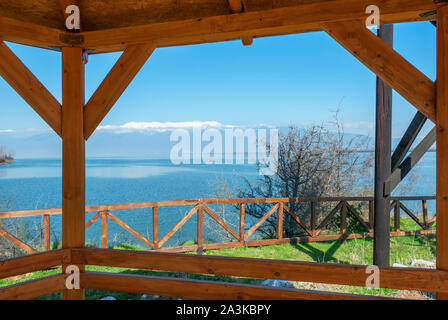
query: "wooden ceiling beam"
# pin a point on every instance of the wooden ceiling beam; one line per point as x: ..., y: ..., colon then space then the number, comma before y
x: 113, y: 86
x: 287, y: 20
x: 30, y: 88
x: 387, y: 64
x: 29, y: 34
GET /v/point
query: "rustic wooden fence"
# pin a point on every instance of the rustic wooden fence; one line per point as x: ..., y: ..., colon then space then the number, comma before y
x: 428, y: 280
x: 313, y: 229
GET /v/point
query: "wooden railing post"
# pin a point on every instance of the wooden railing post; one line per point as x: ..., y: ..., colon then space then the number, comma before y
x: 397, y: 215
x: 343, y: 227
x: 155, y: 227
x: 104, y: 215
x: 242, y: 221
x: 280, y: 221
x: 425, y: 214
x: 200, y: 232
x: 313, y: 218
x: 46, y: 232
x: 371, y: 215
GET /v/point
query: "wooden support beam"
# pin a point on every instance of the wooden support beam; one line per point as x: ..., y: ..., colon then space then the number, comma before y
x: 293, y: 19
x: 442, y: 142
x: 386, y: 63
x: 383, y: 147
x: 23, y: 81
x: 113, y: 86
x: 408, y: 139
x: 30, y: 34
x: 410, y: 162
x: 73, y: 156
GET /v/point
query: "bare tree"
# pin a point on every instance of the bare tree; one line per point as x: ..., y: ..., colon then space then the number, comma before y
x: 312, y: 162
x: 230, y: 217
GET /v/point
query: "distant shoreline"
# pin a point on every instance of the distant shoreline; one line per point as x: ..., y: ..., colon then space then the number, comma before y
x: 6, y: 162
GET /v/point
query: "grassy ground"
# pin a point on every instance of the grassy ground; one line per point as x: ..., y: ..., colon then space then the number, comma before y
x: 358, y: 251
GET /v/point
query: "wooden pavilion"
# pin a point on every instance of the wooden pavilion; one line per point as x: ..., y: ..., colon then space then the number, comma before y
x: 138, y: 27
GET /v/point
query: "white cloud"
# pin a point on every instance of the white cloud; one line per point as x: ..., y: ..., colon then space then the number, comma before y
x: 7, y: 131
x: 161, y: 126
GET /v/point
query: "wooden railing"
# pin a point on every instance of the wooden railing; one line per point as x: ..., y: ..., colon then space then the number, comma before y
x: 313, y: 229
x: 428, y: 280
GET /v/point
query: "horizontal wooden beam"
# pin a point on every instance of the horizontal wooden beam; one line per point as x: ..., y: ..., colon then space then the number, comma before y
x: 353, y: 275
x: 202, y: 290
x: 34, y: 288
x: 278, y: 21
x: 386, y: 63
x: 30, y: 34
x: 173, y: 203
x: 31, y: 263
x: 30, y: 88
x: 113, y: 86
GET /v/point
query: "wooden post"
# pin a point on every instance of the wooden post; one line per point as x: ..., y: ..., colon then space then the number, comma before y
x: 200, y: 232
x: 371, y: 215
x: 242, y: 221
x: 425, y: 214
x: 343, y: 227
x: 46, y: 232
x: 397, y: 216
x: 104, y: 229
x: 442, y: 142
x: 155, y: 227
x: 73, y: 157
x: 313, y: 218
x: 383, y: 139
x: 280, y: 221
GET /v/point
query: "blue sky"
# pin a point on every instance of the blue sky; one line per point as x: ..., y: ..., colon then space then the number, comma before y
x: 295, y: 79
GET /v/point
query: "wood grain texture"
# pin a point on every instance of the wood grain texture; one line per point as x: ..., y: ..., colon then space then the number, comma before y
x: 30, y: 34
x: 23, y: 81
x: 113, y: 86
x: 99, y: 14
x: 442, y: 142
x: 386, y: 63
x: 203, y: 290
x: 34, y: 288
x: 274, y: 21
x: 394, y: 278
x: 73, y: 156
x: 33, y: 262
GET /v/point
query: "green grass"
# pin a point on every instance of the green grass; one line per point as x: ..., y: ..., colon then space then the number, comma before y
x: 357, y: 251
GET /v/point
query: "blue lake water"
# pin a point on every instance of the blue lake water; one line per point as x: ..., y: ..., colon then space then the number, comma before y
x: 36, y: 183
